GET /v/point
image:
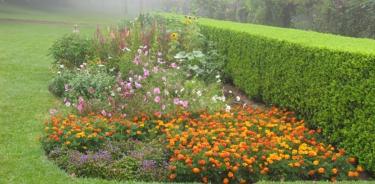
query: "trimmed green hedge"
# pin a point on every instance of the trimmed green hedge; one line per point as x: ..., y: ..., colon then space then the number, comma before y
x: 329, y: 80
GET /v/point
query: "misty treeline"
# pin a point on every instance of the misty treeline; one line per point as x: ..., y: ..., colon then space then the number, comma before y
x: 122, y: 7
x: 346, y: 17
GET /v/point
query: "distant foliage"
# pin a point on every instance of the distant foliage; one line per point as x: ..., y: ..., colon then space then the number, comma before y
x: 336, y: 16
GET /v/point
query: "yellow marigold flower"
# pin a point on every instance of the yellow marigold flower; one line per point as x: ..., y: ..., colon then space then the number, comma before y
x: 316, y: 162
x: 174, y: 36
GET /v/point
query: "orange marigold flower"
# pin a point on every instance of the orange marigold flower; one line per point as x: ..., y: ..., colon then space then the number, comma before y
x: 334, y: 171
x: 352, y: 160
x: 321, y: 170
x: 172, y: 176
x: 225, y: 181
x: 360, y: 168
x: 230, y: 175
x: 202, y: 162
x: 196, y: 170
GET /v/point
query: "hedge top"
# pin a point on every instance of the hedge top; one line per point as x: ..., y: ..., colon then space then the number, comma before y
x: 305, y: 38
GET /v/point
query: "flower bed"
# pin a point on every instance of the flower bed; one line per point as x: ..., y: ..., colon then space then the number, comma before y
x: 157, y: 112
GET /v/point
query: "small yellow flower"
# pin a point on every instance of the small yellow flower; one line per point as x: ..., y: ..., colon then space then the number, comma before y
x: 67, y: 143
x: 174, y: 36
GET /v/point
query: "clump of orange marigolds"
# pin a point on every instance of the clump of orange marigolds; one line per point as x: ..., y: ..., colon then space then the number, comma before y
x: 92, y: 131
x: 241, y: 146
x: 248, y: 145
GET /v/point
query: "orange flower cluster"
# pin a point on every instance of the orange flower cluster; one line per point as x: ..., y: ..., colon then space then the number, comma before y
x: 90, y: 132
x: 248, y: 145
x: 244, y: 146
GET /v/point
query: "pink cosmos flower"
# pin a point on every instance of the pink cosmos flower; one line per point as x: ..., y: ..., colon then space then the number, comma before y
x: 184, y: 104
x: 156, y: 91
x: 137, y: 85
x: 81, y: 104
x: 157, y: 99
x: 146, y: 73
x: 53, y: 112
x: 176, y: 101
x: 174, y: 65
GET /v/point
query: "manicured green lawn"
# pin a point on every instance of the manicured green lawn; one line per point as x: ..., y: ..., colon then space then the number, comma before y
x: 25, y: 100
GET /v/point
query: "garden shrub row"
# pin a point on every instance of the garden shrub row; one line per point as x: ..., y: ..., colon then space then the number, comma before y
x: 329, y: 80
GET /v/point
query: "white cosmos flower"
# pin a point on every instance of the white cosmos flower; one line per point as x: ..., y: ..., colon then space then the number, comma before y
x: 199, y: 93
x: 228, y: 108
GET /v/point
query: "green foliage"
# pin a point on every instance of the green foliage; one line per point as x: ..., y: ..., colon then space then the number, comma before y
x: 333, y: 89
x: 72, y: 50
x: 340, y: 17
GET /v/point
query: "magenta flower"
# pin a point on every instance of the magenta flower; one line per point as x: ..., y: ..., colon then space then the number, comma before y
x: 157, y: 99
x: 184, y: 104
x: 146, y: 73
x: 176, y: 101
x: 174, y: 65
x: 137, y: 85
x: 137, y: 60
x: 156, y: 91
x: 81, y: 104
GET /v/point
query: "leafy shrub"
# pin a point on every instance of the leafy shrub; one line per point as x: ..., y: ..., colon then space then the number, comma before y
x: 310, y: 73
x: 90, y: 83
x: 72, y: 50
x: 57, y: 85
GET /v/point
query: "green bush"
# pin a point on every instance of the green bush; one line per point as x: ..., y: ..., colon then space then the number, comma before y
x: 329, y: 80
x: 72, y: 50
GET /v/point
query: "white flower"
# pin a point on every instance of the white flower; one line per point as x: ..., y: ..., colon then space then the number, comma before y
x: 217, y: 76
x: 118, y: 89
x: 199, y: 93
x: 228, y: 108
x: 166, y: 92
x: 238, y: 98
x: 62, y: 66
x: 101, y: 65
x: 58, y: 72
x: 214, y: 98
x: 218, y: 81
x: 109, y: 57
x: 182, y: 90
x: 130, y: 79
x: 113, y: 93
x: 230, y: 91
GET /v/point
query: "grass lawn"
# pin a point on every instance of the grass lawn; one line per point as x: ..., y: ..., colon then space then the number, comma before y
x: 24, y: 98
